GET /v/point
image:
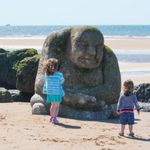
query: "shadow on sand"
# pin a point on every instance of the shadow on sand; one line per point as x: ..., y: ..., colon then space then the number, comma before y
x: 117, y: 121
x: 138, y: 138
x: 67, y: 126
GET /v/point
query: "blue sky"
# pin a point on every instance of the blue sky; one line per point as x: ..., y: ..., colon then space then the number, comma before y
x: 74, y: 12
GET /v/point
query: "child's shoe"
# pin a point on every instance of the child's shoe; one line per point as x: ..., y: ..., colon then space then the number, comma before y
x: 131, y: 134
x: 54, y: 120
x: 50, y: 119
x: 121, y: 134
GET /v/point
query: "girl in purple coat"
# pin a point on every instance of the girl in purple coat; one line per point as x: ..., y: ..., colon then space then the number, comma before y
x: 125, y: 107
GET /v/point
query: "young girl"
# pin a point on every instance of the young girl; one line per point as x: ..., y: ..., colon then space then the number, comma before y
x: 125, y: 107
x: 53, y: 87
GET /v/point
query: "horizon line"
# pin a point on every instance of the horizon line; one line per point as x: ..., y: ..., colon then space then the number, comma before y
x: 75, y: 25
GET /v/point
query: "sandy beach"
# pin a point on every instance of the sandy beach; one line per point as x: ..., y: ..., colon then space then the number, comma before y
x: 114, y: 43
x: 20, y: 130
x: 129, y: 43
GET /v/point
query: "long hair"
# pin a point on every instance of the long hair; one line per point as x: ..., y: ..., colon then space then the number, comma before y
x: 128, y: 87
x: 50, y: 66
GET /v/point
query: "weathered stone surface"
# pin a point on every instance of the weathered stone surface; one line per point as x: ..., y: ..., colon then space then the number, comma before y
x: 17, y: 95
x: 107, y: 112
x: 3, y: 50
x: 5, y: 95
x: 142, y: 92
x: 26, y: 73
x: 8, y: 65
x: 90, y: 68
x: 36, y: 98
x: 39, y: 109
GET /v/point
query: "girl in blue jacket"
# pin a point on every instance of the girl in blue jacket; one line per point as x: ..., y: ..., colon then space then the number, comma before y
x: 53, y: 87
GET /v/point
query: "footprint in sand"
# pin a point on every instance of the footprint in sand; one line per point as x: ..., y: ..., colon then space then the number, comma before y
x: 117, y: 140
x: 2, y: 117
x: 102, y: 140
x: 27, y: 129
x: 4, y: 138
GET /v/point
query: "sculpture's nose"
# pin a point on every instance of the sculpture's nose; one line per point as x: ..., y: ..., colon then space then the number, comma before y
x: 91, y: 50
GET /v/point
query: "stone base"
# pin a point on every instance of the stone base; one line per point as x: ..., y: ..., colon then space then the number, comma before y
x: 72, y: 113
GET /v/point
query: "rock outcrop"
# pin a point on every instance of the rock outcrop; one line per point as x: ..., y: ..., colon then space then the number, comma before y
x: 9, y: 64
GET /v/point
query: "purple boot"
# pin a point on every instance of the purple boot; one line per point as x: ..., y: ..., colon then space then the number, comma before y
x: 53, y: 120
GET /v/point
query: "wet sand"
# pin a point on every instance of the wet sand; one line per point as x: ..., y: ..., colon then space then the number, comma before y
x: 137, y: 79
x: 129, y: 43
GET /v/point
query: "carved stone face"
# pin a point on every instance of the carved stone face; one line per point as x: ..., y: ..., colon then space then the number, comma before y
x: 86, y: 48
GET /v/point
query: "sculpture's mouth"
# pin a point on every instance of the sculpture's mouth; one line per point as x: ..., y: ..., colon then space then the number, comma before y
x: 87, y: 59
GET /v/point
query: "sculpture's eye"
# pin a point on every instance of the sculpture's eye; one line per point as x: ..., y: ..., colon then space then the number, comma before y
x: 84, y: 44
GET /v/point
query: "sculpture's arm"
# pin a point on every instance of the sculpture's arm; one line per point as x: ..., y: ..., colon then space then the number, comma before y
x: 111, y: 78
x: 53, y: 46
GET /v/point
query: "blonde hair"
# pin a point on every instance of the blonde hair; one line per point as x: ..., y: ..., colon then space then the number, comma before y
x: 50, y: 66
x: 128, y: 86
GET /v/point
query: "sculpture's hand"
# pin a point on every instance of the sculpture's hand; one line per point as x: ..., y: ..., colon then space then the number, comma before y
x: 80, y: 99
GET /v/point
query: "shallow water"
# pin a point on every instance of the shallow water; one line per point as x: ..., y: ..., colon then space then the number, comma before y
x: 134, y: 62
x: 135, y: 56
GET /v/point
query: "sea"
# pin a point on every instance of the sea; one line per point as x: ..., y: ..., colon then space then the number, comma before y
x: 135, y: 31
x: 109, y: 31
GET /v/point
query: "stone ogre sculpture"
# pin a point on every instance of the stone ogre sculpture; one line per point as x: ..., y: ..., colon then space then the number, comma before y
x: 92, y: 76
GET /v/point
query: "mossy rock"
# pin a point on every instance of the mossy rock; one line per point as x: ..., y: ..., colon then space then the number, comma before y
x: 2, y: 50
x: 8, y: 65
x: 26, y: 73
